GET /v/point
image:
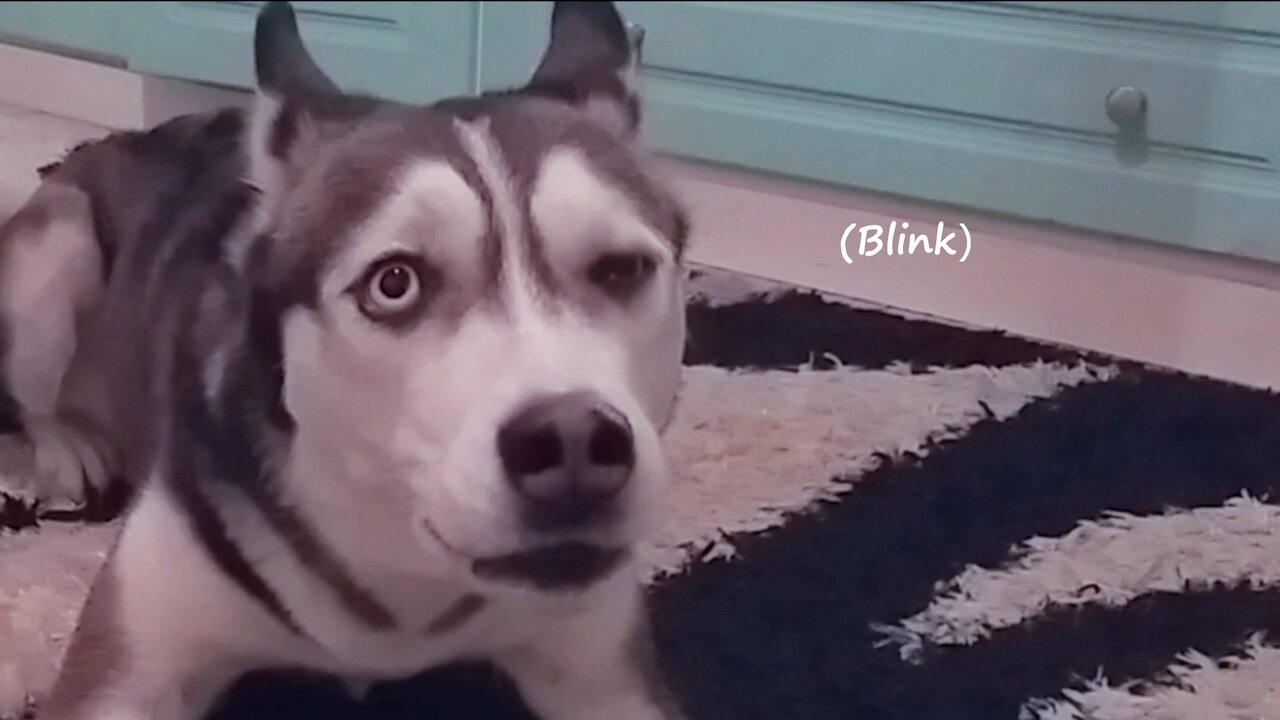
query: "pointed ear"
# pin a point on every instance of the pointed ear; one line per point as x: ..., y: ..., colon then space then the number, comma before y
x: 592, y: 62
x: 281, y: 60
x: 297, y: 106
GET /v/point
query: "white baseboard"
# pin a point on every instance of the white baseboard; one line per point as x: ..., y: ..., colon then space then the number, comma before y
x: 1189, y: 312
x: 99, y: 94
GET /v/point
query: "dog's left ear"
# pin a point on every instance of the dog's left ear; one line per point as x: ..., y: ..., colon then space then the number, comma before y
x: 281, y: 60
x: 592, y: 62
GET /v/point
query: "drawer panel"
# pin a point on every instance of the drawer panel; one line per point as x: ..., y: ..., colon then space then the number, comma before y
x: 1261, y: 18
x: 1039, y: 69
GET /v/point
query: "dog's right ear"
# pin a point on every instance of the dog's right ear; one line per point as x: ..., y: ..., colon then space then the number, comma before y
x: 592, y: 63
x: 297, y: 105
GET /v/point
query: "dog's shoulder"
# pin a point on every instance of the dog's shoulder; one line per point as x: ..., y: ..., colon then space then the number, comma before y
x: 156, y: 186
x: 200, y: 141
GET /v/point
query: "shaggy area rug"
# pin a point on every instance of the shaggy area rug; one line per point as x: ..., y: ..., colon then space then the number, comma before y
x: 883, y: 517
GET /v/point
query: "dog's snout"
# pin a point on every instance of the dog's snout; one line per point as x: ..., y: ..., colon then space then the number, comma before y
x: 567, y: 456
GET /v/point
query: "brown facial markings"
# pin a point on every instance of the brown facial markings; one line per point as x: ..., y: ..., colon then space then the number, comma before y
x: 492, y: 256
x: 457, y: 614
x: 536, y: 248
x: 527, y: 131
x: 328, y: 205
x: 355, y: 179
x: 355, y: 176
x: 322, y: 561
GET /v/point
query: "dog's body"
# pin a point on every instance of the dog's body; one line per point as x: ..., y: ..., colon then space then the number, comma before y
x: 388, y: 382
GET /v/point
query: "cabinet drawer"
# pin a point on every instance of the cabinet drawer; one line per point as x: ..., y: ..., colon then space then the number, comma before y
x: 971, y: 61
x: 412, y: 51
x: 1246, y: 17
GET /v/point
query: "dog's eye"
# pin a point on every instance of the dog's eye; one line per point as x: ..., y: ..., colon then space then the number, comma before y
x: 393, y: 288
x: 395, y: 285
x: 621, y: 274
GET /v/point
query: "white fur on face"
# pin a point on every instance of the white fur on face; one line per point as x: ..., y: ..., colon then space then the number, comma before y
x: 344, y: 361
x: 580, y: 217
x: 433, y: 213
x: 572, y: 338
x: 365, y: 423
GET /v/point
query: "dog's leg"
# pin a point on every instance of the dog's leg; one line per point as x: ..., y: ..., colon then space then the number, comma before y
x: 597, y: 665
x: 51, y: 275
x: 109, y: 674
x: 163, y: 633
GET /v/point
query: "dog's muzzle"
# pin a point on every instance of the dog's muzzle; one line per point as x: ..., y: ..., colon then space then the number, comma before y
x: 568, y: 457
x: 568, y: 461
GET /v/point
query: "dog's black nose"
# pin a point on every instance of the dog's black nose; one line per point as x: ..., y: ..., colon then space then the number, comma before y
x: 568, y: 456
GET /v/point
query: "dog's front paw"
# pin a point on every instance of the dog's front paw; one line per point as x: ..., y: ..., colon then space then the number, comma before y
x: 18, y: 474
x: 54, y: 465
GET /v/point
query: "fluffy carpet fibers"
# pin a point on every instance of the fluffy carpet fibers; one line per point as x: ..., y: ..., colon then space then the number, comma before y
x: 881, y: 517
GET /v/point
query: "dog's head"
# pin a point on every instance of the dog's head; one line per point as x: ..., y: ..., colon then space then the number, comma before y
x: 481, y: 316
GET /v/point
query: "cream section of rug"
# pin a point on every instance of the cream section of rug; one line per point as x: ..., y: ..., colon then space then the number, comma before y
x: 1109, y: 561
x: 747, y: 449
x: 750, y: 448
x: 1244, y: 686
x: 44, y: 580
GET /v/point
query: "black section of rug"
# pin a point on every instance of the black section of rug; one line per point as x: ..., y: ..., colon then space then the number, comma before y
x: 800, y: 327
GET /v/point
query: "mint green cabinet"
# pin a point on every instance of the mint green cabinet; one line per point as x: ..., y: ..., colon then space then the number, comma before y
x: 89, y: 28
x: 997, y: 106
x: 410, y: 50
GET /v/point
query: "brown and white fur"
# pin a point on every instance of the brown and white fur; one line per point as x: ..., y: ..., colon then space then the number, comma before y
x: 387, y: 383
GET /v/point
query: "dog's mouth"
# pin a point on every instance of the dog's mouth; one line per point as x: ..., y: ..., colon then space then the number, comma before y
x: 555, y: 567
x: 562, y: 566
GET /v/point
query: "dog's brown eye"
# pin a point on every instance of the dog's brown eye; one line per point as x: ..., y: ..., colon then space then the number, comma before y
x: 621, y: 274
x: 392, y: 288
x: 395, y: 283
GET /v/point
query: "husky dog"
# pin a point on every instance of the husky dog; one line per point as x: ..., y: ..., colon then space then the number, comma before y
x: 389, y: 382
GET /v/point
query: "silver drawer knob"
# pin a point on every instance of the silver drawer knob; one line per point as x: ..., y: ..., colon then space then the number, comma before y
x: 1126, y: 105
